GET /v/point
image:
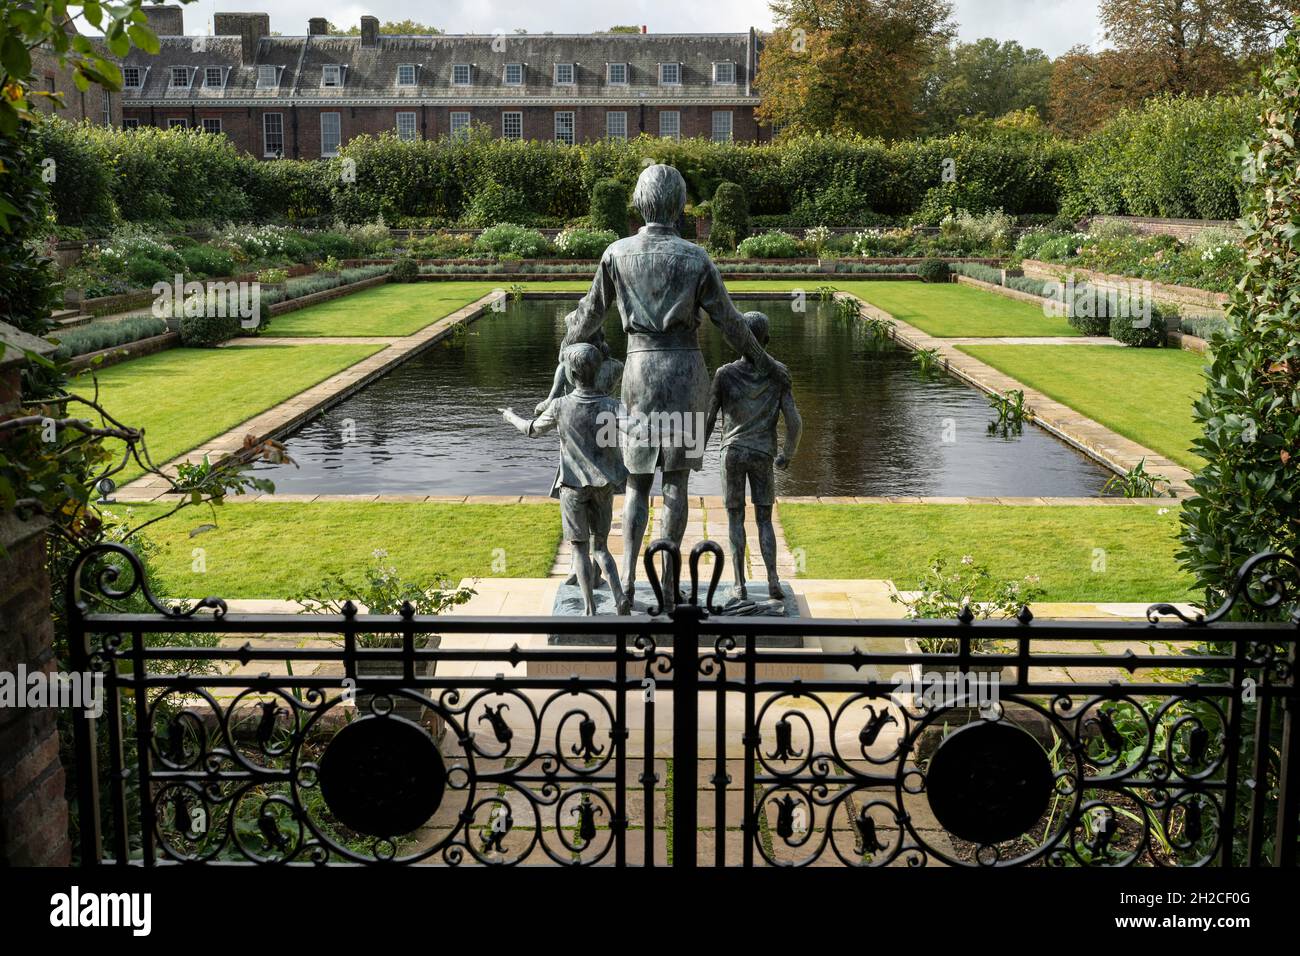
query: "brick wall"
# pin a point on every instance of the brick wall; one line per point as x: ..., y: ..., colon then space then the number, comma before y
x: 33, y: 810
x: 49, y: 76
x: 244, y: 124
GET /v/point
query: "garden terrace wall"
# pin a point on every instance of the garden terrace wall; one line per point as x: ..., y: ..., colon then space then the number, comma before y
x: 115, y: 354
x: 1180, y: 295
x: 1184, y: 230
x: 302, y: 301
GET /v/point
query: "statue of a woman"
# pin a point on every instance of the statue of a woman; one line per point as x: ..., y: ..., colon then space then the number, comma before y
x: 661, y: 283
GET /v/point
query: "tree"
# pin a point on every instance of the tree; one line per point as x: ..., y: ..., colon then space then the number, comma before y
x: 406, y: 28
x: 983, y: 79
x: 1195, y: 46
x: 1087, y: 89
x: 1248, y: 494
x: 849, y: 66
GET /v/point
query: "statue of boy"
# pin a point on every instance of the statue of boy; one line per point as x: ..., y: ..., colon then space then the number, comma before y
x: 749, y: 398
x: 591, y: 467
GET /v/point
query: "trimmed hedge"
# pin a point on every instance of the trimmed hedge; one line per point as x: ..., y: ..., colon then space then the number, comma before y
x: 1173, y: 157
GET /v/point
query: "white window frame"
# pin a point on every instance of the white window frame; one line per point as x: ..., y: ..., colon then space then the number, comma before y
x: 329, y: 69
x: 468, y: 72
x: 338, y: 134
x: 414, y: 132
x: 610, y: 122
x: 730, y: 126
x: 210, y: 119
x: 505, y: 74
x: 207, y: 76
x: 415, y: 74
x: 609, y: 74
x: 177, y: 122
x: 572, y: 124
x: 664, y: 67
x: 573, y: 74
x: 729, y: 64
x: 519, y: 119
x: 171, y: 78
x: 106, y: 100
x: 136, y: 71
x: 459, y: 122
x: 676, y: 132
x: 130, y: 122
x: 268, y: 76
x: 267, y: 151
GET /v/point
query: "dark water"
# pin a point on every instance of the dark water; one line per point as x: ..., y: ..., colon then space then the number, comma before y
x: 872, y: 424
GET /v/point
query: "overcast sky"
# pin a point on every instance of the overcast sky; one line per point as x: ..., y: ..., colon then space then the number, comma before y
x: 1051, y: 25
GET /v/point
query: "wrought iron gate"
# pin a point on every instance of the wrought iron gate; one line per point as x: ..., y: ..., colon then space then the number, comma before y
x: 489, y: 745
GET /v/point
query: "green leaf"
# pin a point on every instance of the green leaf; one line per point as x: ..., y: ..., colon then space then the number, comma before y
x: 144, y: 38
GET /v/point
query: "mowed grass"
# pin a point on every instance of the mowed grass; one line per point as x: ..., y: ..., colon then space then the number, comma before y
x: 183, y: 397
x: 944, y: 310
x: 394, y: 309
x: 280, y: 549
x: 1144, y: 394
x: 1080, y: 553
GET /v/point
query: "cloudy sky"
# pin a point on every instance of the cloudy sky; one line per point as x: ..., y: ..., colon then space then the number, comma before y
x: 1052, y: 25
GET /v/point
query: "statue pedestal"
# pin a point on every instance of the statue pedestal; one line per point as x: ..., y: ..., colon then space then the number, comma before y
x: 569, y: 603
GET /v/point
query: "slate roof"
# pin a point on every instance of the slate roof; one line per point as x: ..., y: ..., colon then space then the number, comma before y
x: 370, y: 74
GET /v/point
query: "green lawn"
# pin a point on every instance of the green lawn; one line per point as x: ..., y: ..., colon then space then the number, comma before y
x: 1059, y: 544
x: 278, y: 549
x: 394, y: 310
x: 946, y: 311
x: 183, y: 397
x: 1144, y: 394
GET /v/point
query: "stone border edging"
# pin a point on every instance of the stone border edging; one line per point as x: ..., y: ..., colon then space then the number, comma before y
x: 1091, y: 437
x: 285, y: 306
x: 1176, y: 294
x: 116, y: 354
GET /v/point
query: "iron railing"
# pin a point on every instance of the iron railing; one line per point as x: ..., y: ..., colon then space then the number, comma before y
x: 1167, y: 742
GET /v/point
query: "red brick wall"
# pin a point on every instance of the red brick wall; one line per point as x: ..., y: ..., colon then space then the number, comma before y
x: 33, y: 811
x: 47, y: 75
x: 244, y: 125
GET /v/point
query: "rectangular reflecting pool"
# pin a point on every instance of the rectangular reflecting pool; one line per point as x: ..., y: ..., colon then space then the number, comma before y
x: 873, y: 425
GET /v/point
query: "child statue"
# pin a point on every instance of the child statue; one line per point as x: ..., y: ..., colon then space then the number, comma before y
x: 750, y: 397
x: 591, y: 467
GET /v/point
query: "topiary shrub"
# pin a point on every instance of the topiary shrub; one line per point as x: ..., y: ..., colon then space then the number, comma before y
x: 609, y: 206
x: 201, y: 331
x: 730, y: 217
x: 934, y: 270
x: 404, y: 269
x: 1246, y: 494
x: 1140, y: 333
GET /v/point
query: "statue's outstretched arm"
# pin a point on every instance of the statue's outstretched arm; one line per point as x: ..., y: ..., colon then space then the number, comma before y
x: 715, y: 301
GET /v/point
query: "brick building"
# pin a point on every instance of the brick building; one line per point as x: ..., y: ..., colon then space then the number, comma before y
x: 305, y: 96
x: 94, y: 104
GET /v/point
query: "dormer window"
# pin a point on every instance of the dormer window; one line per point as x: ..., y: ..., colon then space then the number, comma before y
x: 268, y: 77
x: 616, y: 74
x: 670, y: 74
x: 514, y: 74
x: 406, y: 74
x: 331, y: 74
x: 214, y: 77
x: 460, y: 74
x: 180, y: 77
x: 564, y: 73
x: 132, y: 77
x: 724, y: 73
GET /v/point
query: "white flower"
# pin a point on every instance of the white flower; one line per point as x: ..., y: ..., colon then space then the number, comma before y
x: 1162, y: 511
x: 380, y: 553
x: 967, y: 559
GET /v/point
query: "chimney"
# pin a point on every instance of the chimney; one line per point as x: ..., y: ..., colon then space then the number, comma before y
x: 249, y: 27
x: 369, y: 31
x: 643, y: 29
x: 165, y: 21
x: 318, y: 27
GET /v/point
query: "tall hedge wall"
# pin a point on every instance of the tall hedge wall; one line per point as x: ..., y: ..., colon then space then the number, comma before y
x: 1173, y: 158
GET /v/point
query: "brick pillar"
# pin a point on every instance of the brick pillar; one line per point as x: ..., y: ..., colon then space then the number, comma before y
x: 33, y: 809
